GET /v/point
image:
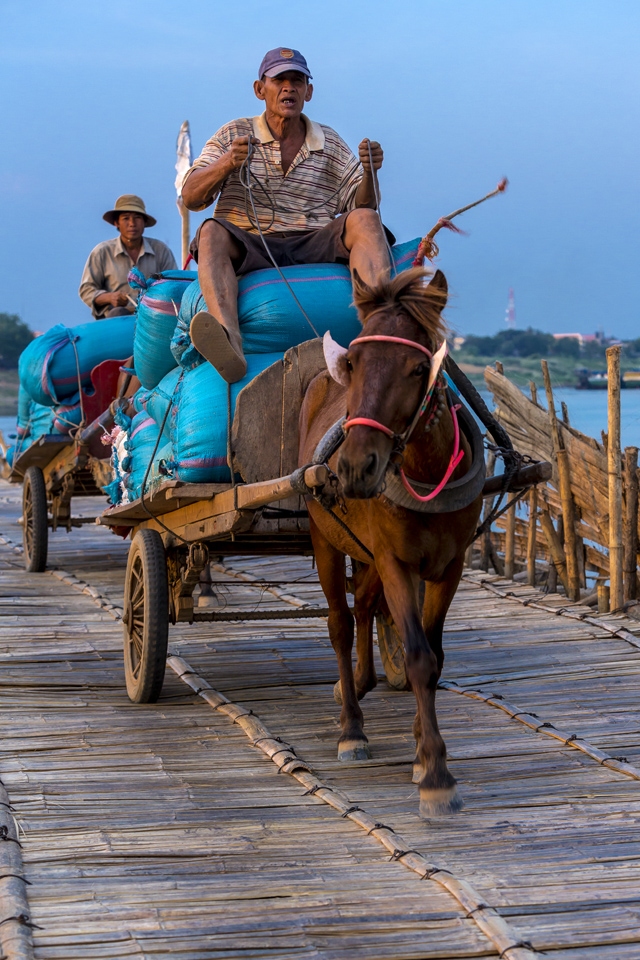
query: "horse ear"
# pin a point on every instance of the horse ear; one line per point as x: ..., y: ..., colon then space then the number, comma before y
x: 438, y: 290
x: 336, y: 359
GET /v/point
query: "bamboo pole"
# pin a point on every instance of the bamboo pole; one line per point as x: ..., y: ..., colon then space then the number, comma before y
x: 485, y: 550
x: 186, y: 236
x: 531, y: 537
x: 630, y: 523
x: 510, y: 541
x: 614, y: 466
x: 566, y: 497
x: 555, y: 546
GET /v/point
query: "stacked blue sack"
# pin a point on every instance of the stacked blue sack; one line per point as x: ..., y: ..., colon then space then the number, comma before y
x: 270, y: 319
x: 141, y: 445
x: 34, y: 421
x: 54, y: 364
x: 156, y: 317
x: 191, y: 406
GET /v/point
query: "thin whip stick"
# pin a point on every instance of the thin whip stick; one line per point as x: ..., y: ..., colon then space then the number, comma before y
x: 428, y: 248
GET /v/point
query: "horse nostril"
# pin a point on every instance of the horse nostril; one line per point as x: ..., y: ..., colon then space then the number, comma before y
x: 371, y: 465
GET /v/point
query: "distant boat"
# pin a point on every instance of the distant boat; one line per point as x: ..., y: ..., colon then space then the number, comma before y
x: 599, y: 380
x: 592, y: 379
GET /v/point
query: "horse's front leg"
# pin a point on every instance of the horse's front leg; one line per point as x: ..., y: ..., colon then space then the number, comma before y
x: 437, y: 600
x: 367, y: 588
x: 353, y: 744
x: 438, y: 792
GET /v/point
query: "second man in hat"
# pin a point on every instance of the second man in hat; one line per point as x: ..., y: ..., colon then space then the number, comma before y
x: 104, y: 286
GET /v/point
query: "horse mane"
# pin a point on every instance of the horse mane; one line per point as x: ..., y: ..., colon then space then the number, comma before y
x: 408, y: 292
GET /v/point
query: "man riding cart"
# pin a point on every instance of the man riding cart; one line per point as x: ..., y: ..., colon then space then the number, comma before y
x: 289, y: 191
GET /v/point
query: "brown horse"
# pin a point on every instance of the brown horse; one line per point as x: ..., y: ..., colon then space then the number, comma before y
x: 384, y: 383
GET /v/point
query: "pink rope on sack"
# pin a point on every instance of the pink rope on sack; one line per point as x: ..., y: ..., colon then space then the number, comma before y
x: 456, y: 458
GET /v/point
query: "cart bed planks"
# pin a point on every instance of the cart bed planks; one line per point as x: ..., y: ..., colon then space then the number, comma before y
x: 160, y: 829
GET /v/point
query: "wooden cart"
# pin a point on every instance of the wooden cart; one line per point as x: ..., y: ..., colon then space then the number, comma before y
x: 176, y: 529
x: 56, y: 468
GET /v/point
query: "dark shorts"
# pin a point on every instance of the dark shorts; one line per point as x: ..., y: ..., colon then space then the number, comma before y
x: 325, y: 245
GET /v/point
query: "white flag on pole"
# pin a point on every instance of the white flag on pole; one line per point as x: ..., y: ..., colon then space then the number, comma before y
x: 184, y: 158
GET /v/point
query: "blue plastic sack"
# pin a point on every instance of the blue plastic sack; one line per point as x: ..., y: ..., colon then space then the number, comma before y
x: 140, y: 446
x: 47, y: 367
x: 39, y: 422
x: 66, y: 418
x: 270, y: 319
x: 199, y: 421
x: 156, y: 318
x: 24, y: 409
x: 156, y: 401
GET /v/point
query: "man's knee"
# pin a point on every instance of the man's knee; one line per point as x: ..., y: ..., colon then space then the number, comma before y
x: 363, y: 224
x: 216, y: 241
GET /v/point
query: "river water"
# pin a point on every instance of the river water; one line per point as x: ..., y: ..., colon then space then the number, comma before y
x: 587, y: 412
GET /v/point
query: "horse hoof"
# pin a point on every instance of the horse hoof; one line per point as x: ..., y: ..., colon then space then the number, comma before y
x: 437, y: 803
x: 350, y: 750
x: 418, y: 772
x: 337, y: 692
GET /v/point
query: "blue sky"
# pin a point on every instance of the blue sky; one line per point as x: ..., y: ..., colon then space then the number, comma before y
x: 459, y: 92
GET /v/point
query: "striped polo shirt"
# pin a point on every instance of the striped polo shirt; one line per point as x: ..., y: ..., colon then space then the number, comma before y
x: 319, y: 185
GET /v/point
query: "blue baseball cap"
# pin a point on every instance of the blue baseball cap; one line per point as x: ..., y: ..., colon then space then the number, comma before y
x: 282, y: 59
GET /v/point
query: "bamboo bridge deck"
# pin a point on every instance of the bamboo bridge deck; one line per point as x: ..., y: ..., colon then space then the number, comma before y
x: 163, y: 830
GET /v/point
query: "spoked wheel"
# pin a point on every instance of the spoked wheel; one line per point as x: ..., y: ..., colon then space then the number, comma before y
x: 146, y: 617
x: 391, y: 649
x: 35, y: 521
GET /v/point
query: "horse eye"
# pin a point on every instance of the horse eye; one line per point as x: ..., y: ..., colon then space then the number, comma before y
x: 349, y: 365
x: 420, y: 370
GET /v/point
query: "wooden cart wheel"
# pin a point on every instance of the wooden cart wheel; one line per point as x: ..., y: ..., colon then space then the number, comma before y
x: 146, y: 617
x: 391, y: 650
x: 35, y: 520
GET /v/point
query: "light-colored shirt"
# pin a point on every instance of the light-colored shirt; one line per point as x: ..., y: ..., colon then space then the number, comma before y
x: 319, y: 185
x: 108, y: 266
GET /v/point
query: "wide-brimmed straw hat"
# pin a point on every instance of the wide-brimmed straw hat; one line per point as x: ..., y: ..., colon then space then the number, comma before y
x: 129, y: 203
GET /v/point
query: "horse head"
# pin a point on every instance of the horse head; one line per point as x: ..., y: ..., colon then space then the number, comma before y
x: 386, y: 381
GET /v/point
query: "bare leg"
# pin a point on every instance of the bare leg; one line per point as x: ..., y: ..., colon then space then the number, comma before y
x: 217, y: 252
x: 365, y: 240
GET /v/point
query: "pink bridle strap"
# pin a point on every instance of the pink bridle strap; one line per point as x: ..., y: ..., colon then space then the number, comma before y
x: 366, y: 422
x: 380, y: 337
x: 456, y: 457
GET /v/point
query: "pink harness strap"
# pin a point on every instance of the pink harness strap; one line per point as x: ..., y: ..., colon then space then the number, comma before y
x: 366, y: 422
x: 380, y: 337
x: 456, y: 457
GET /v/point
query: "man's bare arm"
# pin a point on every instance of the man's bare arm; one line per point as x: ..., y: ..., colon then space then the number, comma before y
x: 366, y: 194
x: 203, y: 183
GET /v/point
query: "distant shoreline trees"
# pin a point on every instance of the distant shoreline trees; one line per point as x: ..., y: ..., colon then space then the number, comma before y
x: 15, y: 335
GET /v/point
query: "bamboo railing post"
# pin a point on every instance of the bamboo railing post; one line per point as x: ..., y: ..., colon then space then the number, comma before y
x: 566, y: 497
x: 485, y: 547
x: 630, y: 523
x: 531, y: 537
x: 555, y: 546
x: 614, y: 466
x: 510, y: 541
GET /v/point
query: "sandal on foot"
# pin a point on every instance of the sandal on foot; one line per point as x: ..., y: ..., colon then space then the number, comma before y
x: 210, y: 339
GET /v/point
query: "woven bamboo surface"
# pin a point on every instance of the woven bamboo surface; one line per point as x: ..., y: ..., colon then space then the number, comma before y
x: 160, y: 830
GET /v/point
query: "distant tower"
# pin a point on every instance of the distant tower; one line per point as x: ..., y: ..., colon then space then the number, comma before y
x: 510, y: 315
